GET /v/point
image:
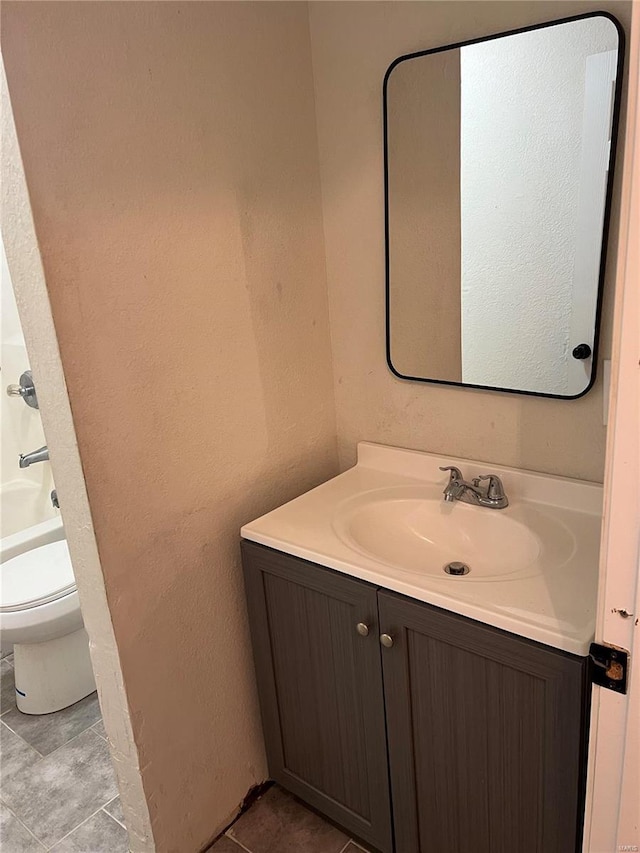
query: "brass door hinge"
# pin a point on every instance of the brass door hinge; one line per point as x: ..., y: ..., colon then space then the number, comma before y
x: 609, y: 666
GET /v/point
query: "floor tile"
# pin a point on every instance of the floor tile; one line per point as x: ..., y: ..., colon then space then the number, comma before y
x: 7, y: 687
x: 225, y: 845
x: 100, y: 729
x: 64, y: 788
x: 99, y: 834
x: 47, y: 732
x: 114, y: 808
x: 278, y: 823
x: 17, y: 756
x: 14, y: 837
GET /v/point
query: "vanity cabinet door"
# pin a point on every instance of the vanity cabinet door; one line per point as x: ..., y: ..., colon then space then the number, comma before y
x: 320, y: 688
x: 486, y: 735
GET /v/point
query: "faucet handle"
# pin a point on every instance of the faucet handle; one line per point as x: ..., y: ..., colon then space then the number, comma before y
x: 26, y: 389
x: 495, y: 489
x: 456, y: 473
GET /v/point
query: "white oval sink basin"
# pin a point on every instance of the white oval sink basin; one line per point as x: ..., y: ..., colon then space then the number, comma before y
x: 533, y: 566
x: 415, y: 530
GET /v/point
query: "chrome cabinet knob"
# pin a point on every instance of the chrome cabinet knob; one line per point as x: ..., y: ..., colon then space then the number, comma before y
x: 362, y: 629
x: 386, y: 640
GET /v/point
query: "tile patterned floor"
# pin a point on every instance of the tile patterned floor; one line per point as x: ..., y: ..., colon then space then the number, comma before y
x: 58, y: 786
x: 278, y: 823
x: 59, y: 792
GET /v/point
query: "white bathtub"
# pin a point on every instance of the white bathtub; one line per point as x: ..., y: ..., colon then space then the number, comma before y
x: 25, y: 504
x: 51, y: 530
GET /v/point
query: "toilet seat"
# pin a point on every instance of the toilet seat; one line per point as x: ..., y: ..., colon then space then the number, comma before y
x: 36, y: 578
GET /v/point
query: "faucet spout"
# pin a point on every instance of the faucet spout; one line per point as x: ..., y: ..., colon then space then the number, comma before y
x: 39, y: 455
x: 453, y: 491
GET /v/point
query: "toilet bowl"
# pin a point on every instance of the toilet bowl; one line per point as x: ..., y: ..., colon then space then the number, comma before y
x: 40, y: 615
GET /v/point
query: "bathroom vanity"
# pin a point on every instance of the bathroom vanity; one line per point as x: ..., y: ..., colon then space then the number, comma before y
x: 423, y: 711
x: 422, y: 625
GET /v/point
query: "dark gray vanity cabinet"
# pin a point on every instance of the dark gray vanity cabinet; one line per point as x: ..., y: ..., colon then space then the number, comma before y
x: 482, y: 733
x: 486, y: 734
x: 320, y: 687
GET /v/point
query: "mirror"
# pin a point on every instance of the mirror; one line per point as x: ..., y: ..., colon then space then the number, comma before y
x: 498, y: 162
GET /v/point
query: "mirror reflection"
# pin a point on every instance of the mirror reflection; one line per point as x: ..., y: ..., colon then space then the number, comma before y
x: 497, y: 173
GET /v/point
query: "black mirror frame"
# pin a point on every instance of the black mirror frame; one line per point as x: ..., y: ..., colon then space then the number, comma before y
x: 607, y: 210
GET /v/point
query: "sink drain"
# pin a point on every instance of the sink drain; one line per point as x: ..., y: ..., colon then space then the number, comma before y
x: 456, y: 568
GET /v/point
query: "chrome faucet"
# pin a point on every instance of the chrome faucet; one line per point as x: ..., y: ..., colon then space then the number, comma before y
x: 39, y: 455
x: 458, y: 489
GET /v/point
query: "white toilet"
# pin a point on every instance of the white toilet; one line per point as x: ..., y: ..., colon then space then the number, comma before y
x: 40, y: 615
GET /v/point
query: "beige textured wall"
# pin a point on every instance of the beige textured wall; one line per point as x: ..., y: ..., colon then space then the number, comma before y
x: 353, y: 43
x: 27, y: 277
x: 171, y: 158
x: 423, y: 121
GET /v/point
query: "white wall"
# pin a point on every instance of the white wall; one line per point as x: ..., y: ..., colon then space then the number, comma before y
x: 521, y: 145
x: 21, y: 426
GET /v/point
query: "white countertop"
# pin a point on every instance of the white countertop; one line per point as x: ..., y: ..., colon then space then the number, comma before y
x: 554, y: 606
